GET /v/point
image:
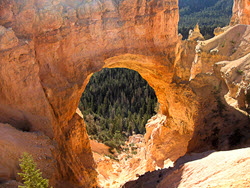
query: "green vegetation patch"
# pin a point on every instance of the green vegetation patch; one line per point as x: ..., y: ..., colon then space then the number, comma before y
x: 116, y: 103
x: 31, y: 176
x: 208, y: 13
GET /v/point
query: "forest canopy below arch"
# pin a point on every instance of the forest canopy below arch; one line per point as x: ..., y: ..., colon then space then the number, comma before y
x: 115, y: 104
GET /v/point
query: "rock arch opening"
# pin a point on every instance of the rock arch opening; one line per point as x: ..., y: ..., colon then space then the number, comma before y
x: 121, y: 100
x: 174, y: 104
x: 116, y: 105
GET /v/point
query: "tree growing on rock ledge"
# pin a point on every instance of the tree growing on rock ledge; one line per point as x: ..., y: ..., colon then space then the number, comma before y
x: 31, y: 176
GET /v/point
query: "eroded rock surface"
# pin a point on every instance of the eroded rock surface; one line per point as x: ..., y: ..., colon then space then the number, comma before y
x: 13, y: 143
x: 77, y: 154
x: 118, y: 168
x: 241, y: 12
x: 50, y: 48
x: 219, y: 30
x: 203, y: 100
x: 195, y: 34
x: 237, y: 77
x: 208, y: 169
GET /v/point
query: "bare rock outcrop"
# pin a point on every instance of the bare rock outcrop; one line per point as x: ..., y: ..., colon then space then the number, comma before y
x: 208, y: 169
x: 8, y: 38
x: 241, y: 12
x: 203, y: 98
x: 237, y: 77
x: 231, y: 45
x: 77, y: 154
x: 195, y: 34
x: 218, y: 169
x: 219, y: 30
x: 118, y: 168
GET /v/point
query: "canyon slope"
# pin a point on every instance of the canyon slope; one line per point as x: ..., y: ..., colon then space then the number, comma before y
x: 208, y: 169
x: 49, y: 49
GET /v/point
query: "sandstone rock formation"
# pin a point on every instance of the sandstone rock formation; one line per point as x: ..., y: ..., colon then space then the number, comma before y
x: 219, y: 30
x: 129, y: 164
x: 208, y: 169
x: 237, y: 77
x: 195, y: 34
x: 208, y: 89
x: 241, y: 12
x: 50, y: 48
x: 77, y: 153
x: 8, y: 38
x: 14, y: 143
x: 231, y: 45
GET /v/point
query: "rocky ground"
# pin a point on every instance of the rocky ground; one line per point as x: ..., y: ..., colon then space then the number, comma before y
x: 116, y: 169
x: 13, y: 143
x: 209, y: 169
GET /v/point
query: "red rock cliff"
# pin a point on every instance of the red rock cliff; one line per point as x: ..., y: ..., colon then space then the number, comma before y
x: 241, y: 12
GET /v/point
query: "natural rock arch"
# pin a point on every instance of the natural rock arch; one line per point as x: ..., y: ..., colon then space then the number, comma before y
x: 53, y: 46
x: 178, y: 104
x: 50, y: 48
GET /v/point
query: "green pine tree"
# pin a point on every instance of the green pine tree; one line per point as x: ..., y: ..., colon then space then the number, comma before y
x: 31, y: 176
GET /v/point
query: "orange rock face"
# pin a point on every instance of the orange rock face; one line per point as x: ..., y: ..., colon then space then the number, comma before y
x: 241, y: 12
x: 77, y: 154
x: 48, y: 51
x: 14, y: 143
x: 233, y: 72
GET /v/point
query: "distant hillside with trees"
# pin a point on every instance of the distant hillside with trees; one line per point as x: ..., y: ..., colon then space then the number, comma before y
x: 209, y: 14
x: 116, y: 103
